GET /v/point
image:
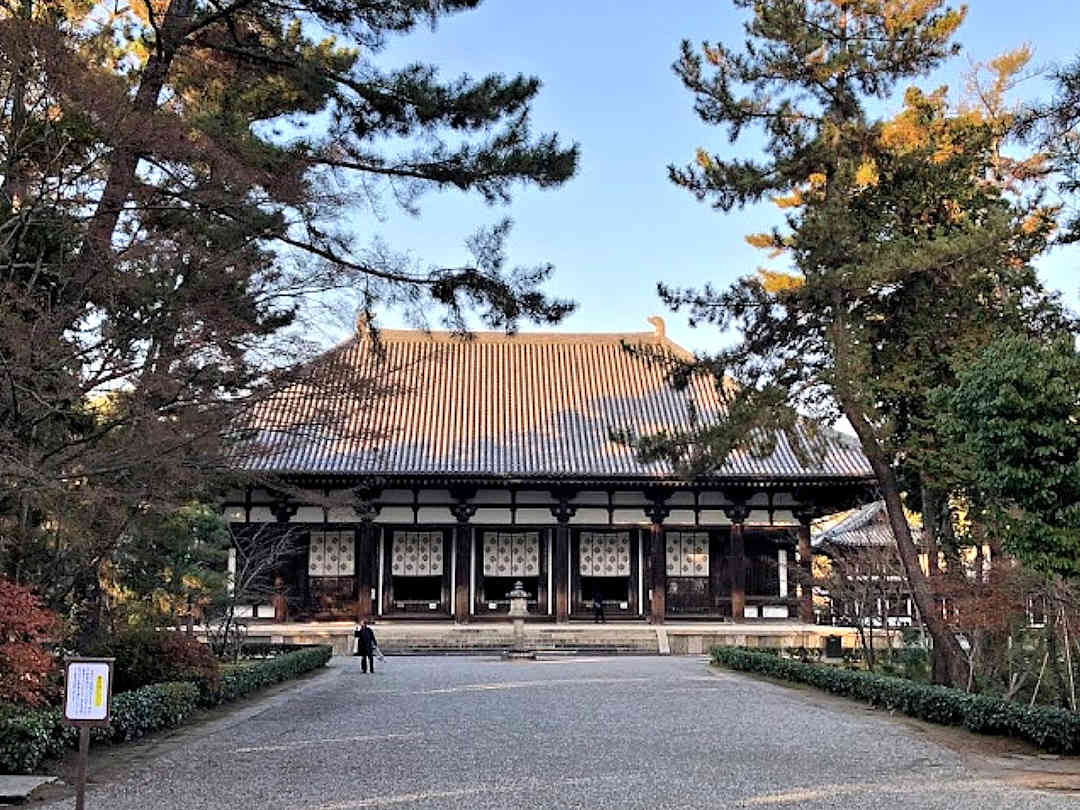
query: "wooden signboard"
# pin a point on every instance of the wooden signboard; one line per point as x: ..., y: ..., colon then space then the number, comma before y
x: 87, y: 691
x: 87, y: 702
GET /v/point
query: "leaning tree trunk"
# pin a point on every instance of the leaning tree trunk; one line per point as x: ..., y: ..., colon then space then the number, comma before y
x: 953, y: 668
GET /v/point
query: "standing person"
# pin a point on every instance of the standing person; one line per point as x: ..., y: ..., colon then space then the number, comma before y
x: 598, y: 609
x: 365, y: 646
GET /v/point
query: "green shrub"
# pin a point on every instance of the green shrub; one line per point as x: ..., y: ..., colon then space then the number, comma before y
x: 258, y: 675
x: 154, y: 707
x: 266, y: 649
x: 147, y: 656
x: 29, y: 737
x: 1054, y: 730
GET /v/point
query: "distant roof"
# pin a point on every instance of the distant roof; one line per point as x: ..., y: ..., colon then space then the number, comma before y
x: 868, y: 526
x: 536, y: 405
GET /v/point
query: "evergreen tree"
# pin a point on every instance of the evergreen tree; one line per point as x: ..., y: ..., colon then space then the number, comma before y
x: 1014, y: 418
x: 1057, y: 126
x: 908, y: 246
x: 182, y: 184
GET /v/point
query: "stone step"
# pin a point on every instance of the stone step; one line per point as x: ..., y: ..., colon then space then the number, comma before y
x: 443, y: 648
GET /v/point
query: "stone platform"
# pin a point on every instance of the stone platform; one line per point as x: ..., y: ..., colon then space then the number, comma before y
x: 613, y: 638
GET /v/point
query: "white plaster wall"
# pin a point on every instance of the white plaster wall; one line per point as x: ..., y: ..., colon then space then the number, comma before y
x: 395, y: 514
x: 714, y: 517
x: 434, y: 514
x: 632, y: 517
x: 629, y: 498
x: 758, y: 517
x: 681, y: 499
x: 235, y: 514
x: 680, y: 517
x: 308, y: 514
x: 592, y: 516
x: 784, y: 517
x: 342, y: 514
x: 396, y: 496
x: 526, y: 516
x: 261, y: 514
x: 500, y: 517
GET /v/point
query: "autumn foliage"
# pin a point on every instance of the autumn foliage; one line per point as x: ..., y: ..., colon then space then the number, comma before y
x: 27, y: 666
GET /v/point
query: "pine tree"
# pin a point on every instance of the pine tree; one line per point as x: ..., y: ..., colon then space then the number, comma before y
x: 906, y: 242
x: 183, y: 183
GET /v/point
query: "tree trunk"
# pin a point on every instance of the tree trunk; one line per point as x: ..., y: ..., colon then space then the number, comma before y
x: 12, y: 184
x: 96, y: 255
x: 931, y: 513
x: 932, y: 517
x: 1052, y: 654
x: 953, y: 669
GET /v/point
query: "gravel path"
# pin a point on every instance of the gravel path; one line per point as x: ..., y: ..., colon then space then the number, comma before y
x: 587, y: 733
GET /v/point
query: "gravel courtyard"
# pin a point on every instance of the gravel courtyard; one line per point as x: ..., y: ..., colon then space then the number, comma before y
x: 585, y: 733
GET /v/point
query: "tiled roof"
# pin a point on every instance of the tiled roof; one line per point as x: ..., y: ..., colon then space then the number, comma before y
x: 866, y: 527
x: 528, y: 406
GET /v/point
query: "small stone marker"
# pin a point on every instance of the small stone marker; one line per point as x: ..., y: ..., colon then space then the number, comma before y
x: 87, y: 703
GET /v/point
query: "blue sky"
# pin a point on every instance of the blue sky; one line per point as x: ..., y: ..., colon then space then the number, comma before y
x: 620, y: 226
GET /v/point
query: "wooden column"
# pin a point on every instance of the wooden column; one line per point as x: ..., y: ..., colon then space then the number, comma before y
x: 365, y: 576
x: 737, y: 514
x: 806, y: 571
x: 562, y: 512
x: 462, y: 558
x: 657, y: 511
x: 367, y: 510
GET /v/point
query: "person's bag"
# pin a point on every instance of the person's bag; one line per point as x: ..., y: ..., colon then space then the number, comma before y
x: 378, y: 653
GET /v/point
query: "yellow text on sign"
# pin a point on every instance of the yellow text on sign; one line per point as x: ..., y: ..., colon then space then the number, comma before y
x: 99, y: 689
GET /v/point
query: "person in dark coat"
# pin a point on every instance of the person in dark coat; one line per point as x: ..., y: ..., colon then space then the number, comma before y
x: 598, y: 609
x: 365, y: 646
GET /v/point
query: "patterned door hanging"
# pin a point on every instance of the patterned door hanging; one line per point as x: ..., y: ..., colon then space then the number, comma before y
x: 509, y: 554
x: 687, y: 554
x: 331, y: 554
x: 605, y: 554
x: 417, y: 554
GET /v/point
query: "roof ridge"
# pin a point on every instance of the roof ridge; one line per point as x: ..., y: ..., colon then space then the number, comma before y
x: 493, y: 336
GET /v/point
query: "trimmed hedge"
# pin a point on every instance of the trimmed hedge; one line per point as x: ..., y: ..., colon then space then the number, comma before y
x: 149, y: 708
x: 255, y: 676
x: 1051, y: 729
x: 268, y: 649
x: 29, y: 737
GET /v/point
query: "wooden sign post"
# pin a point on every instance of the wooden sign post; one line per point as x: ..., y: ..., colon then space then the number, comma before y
x: 87, y: 703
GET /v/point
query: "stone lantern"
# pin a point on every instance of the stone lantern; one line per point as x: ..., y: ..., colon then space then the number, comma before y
x: 519, y: 609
